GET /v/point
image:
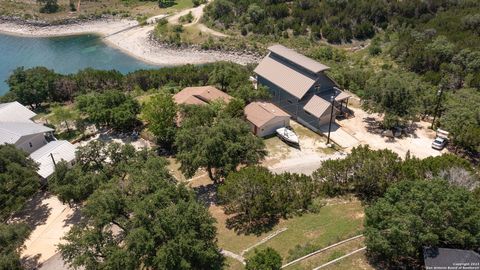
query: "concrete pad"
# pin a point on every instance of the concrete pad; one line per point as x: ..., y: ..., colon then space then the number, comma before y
x: 363, y: 127
x: 339, y: 136
x: 52, y: 221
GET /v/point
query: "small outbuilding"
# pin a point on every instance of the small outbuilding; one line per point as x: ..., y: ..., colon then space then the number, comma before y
x: 50, y: 154
x: 264, y: 118
x: 200, y: 95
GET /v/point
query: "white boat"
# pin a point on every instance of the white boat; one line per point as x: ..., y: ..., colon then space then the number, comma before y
x: 287, y: 135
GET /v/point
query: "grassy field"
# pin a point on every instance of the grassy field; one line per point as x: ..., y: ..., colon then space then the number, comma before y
x: 29, y: 9
x: 304, y: 234
x: 233, y: 264
x: 310, y: 232
x: 356, y: 261
x: 328, y: 255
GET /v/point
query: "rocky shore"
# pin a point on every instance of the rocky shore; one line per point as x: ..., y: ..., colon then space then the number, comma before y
x: 126, y: 35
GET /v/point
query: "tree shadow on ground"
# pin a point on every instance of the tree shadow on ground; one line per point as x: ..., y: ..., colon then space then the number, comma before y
x: 35, y: 212
x: 74, y: 218
x: 374, y: 126
x: 30, y: 262
x: 241, y: 225
x: 207, y: 194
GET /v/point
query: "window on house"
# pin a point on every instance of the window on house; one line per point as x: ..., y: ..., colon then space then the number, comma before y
x: 30, y: 144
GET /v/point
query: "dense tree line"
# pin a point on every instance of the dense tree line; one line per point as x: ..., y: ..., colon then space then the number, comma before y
x: 257, y: 198
x: 135, y: 214
x: 399, y: 96
x: 212, y: 139
x: 34, y: 86
x: 96, y: 163
x: 417, y: 214
x: 111, y: 109
x: 18, y: 183
x: 335, y: 21
x: 369, y: 173
x: 461, y: 116
x: 438, y: 58
x: 407, y: 202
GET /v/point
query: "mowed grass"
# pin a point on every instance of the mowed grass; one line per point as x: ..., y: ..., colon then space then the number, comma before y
x: 331, y: 224
x: 232, y: 264
x: 356, y: 261
x: 328, y: 255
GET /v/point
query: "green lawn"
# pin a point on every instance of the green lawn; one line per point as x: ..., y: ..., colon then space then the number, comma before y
x: 328, y: 255
x: 305, y: 234
x: 310, y: 232
x: 356, y: 261
x: 233, y: 264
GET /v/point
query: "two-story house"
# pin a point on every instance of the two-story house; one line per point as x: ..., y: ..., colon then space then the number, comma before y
x: 299, y: 86
x: 17, y: 128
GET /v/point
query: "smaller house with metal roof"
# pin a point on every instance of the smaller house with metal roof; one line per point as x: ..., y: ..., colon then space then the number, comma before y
x: 299, y: 86
x: 200, y: 95
x: 265, y: 118
x: 18, y: 128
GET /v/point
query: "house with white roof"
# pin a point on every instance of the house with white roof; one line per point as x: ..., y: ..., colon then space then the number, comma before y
x: 15, y: 112
x: 18, y: 128
x: 26, y: 136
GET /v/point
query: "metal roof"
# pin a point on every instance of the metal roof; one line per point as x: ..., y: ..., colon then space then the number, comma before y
x: 298, y: 59
x: 317, y: 106
x: 61, y: 150
x: 260, y: 113
x: 200, y: 95
x: 289, y: 79
x: 442, y: 258
x: 12, y: 132
x: 342, y: 96
x: 15, y: 112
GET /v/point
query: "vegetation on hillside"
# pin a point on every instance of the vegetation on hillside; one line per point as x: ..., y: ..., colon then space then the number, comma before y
x: 62, y: 11
x: 18, y: 178
x: 369, y: 173
x: 257, y: 198
x: 18, y: 183
x: 135, y: 215
x: 335, y: 21
x: 417, y: 214
x: 210, y: 139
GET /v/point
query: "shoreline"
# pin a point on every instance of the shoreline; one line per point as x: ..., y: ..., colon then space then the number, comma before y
x: 128, y: 37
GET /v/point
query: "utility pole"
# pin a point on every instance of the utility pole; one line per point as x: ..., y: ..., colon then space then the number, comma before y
x: 439, y: 100
x: 331, y: 117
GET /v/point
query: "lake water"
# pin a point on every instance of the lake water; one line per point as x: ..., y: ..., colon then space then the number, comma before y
x: 62, y: 54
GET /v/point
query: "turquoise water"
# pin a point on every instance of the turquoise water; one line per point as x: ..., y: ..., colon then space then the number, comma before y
x: 62, y: 54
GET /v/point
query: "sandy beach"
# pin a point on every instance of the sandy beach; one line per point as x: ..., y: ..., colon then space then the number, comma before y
x: 129, y: 37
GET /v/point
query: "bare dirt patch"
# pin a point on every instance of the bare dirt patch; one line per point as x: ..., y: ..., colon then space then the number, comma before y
x: 305, y: 159
x: 362, y: 127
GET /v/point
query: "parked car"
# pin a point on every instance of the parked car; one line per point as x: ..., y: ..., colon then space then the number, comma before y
x: 441, y: 139
x: 439, y: 143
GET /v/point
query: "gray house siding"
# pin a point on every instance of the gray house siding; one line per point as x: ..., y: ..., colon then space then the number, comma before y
x: 31, y: 143
x: 294, y: 107
x: 281, y: 98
